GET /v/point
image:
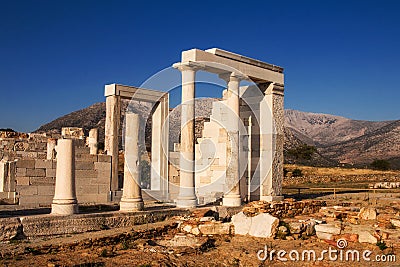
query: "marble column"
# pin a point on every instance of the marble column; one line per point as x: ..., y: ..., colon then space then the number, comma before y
x: 271, y: 142
x: 187, y: 195
x: 111, y: 143
x: 93, y: 141
x: 156, y: 151
x: 64, y: 201
x: 51, y: 145
x: 132, y: 195
x: 232, y: 196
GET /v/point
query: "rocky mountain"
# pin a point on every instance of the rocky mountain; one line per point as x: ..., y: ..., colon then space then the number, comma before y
x: 324, y: 130
x: 347, y: 141
x: 337, y: 139
x: 94, y: 117
x: 383, y: 143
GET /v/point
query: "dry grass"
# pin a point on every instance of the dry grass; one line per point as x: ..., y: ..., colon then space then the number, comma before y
x: 335, y: 171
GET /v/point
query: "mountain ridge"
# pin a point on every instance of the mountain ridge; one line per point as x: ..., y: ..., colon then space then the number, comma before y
x: 338, y: 140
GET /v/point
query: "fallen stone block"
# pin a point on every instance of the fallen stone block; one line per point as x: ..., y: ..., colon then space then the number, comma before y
x: 187, y: 228
x: 296, y: 227
x: 195, y: 231
x: 215, y: 228
x: 241, y: 223
x: 395, y: 222
x: 325, y: 236
x: 366, y: 237
x: 310, y: 228
x: 328, y: 228
x: 367, y: 213
x: 283, y: 229
x: 263, y: 225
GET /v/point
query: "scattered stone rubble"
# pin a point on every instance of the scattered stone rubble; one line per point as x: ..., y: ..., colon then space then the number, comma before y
x: 327, y: 223
x: 287, y: 208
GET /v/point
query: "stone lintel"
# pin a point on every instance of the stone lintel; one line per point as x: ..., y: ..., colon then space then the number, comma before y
x: 219, y: 64
x: 244, y: 59
x: 189, y: 66
x: 131, y: 91
x: 272, y: 88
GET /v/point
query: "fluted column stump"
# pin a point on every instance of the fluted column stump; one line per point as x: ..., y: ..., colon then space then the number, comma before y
x: 93, y: 141
x: 132, y: 194
x: 64, y: 201
x: 51, y: 146
x: 187, y: 194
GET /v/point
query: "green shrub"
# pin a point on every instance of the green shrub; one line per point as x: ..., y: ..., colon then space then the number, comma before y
x: 381, y: 245
x: 380, y: 164
x: 285, y: 172
x: 297, y: 173
x: 304, y: 152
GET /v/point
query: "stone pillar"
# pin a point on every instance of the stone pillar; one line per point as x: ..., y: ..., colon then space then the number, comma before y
x: 93, y: 141
x: 3, y: 175
x: 271, y: 142
x: 64, y: 201
x: 51, y: 146
x: 159, y: 147
x: 132, y: 195
x: 232, y: 196
x: 187, y: 195
x: 156, y: 137
x: 111, y: 141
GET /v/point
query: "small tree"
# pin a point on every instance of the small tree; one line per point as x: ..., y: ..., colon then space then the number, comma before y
x: 303, y: 152
x: 297, y: 173
x: 380, y: 164
x: 285, y: 172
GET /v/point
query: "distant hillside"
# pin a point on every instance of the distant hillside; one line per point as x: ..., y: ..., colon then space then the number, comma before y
x: 383, y: 143
x: 323, y: 129
x: 94, y: 117
x: 338, y: 139
x: 87, y: 118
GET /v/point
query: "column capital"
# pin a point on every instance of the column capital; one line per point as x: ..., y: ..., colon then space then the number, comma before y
x: 231, y: 76
x: 269, y: 88
x: 191, y: 66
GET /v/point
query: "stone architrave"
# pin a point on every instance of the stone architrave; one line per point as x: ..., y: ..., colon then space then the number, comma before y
x: 93, y: 141
x: 132, y: 195
x: 64, y: 201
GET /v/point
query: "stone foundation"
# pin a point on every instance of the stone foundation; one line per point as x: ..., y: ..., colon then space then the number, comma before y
x: 284, y: 209
x: 35, y: 179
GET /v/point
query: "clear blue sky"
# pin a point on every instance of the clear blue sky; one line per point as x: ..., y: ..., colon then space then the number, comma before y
x: 340, y: 57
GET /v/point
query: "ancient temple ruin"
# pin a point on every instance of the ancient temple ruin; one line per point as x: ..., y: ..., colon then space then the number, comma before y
x: 239, y: 156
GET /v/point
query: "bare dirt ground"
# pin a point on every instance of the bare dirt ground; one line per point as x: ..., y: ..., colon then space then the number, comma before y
x: 142, y: 245
x: 138, y: 247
